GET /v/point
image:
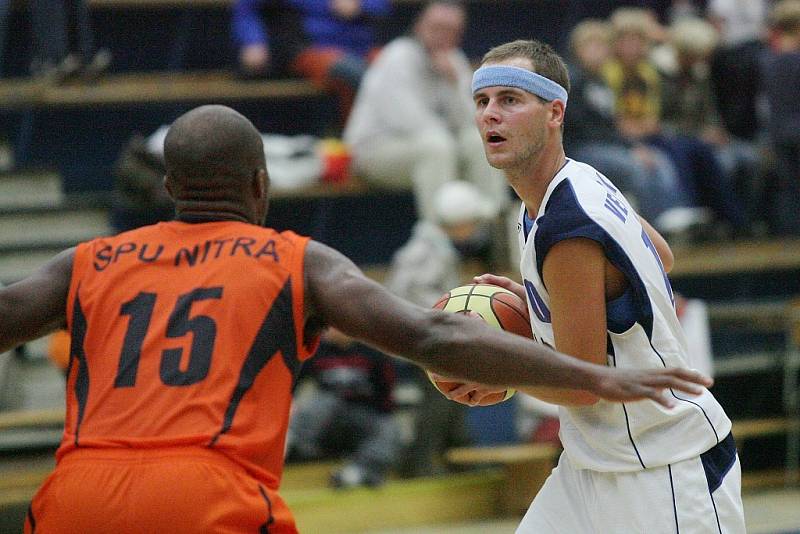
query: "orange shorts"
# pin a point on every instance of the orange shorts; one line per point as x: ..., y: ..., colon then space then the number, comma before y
x: 180, y: 490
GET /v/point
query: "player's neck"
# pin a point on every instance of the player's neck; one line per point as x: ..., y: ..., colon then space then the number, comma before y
x: 531, y: 183
x: 210, y: 212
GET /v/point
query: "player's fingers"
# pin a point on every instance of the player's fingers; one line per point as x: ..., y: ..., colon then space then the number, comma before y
x: 684, y: 380
x: 463, y: 389
x: 489, y: 278
x: 692, y: 375
x: 660, y: 396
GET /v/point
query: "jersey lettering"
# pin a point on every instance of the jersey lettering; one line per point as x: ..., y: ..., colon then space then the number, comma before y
x: 187, y: 256
x: 649, y: 244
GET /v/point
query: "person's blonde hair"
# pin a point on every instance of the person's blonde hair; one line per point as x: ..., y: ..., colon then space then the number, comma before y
x: 546, y: 62
x: 588, y: 30
x: 627, y: 20
x: 693, y: 36
x: 785, y: 16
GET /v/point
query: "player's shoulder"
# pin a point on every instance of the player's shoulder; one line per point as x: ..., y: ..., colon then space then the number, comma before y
x: 578, y: 187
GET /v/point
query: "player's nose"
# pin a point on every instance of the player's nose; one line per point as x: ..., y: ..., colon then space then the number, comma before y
x: 490, y: 112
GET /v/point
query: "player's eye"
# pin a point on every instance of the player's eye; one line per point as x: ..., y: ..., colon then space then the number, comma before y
x: 510, y: 100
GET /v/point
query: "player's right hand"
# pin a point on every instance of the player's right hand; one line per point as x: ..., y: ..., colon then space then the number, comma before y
x: 502, y: 281
x: 622, y: 385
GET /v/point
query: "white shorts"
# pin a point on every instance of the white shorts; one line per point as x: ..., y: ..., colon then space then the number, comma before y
x: 699, y: 495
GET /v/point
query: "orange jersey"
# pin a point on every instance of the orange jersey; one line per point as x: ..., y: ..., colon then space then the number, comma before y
x: 187, y: 335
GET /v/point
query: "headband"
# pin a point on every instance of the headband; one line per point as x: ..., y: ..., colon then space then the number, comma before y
x: 503, y: 75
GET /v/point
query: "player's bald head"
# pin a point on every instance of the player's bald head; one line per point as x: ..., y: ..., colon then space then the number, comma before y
x: 212, y: 146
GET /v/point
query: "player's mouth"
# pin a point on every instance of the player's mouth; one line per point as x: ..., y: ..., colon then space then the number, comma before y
x: 494, y: 139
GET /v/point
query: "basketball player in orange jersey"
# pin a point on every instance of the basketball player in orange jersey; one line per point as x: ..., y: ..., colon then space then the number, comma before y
x: 187, y: 336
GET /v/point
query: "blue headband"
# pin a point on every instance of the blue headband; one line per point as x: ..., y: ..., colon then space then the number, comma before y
x: 503, y: 75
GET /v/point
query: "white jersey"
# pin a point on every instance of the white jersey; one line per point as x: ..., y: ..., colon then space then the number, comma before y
x: 643, y: 330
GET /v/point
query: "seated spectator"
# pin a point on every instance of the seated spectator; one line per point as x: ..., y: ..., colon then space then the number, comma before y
x: 326, y: 41
x: 412, y: 122
x: 690, y: 107
x: 63, y: 41
x: 637, y: 86
x: 780, y: 74
x: 423, y: 270
x: 734, y: 65
x: 645, y: 174
x: 349, y: 410
x: 140, y: 197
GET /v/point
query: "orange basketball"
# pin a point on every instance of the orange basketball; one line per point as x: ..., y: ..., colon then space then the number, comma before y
x: 497, y: 306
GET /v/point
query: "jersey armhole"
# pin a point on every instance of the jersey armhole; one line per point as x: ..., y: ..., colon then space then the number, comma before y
x: 304, y: 349
x: 79, y: 266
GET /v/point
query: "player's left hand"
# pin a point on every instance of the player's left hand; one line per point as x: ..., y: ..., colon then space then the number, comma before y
x: 655, y: 384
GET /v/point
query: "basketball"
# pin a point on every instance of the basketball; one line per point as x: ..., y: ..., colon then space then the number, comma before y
x: 499, y: 308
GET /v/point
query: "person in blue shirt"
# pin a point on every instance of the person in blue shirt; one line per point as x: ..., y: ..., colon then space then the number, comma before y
x: 329, y: 42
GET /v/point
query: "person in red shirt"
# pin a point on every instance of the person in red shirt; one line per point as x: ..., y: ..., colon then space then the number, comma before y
x: 187, y: 337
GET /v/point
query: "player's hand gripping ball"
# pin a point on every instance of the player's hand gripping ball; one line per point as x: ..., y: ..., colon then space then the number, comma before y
x: 499, y: 308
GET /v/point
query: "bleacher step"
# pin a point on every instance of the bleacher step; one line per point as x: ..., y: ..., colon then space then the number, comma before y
x: 16, y: 265
x: 57, y: 227
x: 33, y: 189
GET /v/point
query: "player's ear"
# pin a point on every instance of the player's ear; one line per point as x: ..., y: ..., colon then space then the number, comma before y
x: 260, y: 183
x: 557, y: 112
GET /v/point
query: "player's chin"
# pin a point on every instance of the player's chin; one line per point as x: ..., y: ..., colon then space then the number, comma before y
x: 498, y: 161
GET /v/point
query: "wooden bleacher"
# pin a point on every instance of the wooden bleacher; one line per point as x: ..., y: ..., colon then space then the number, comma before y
x: 141, y: 88
x: 525, y: 468
x: 736, y: 257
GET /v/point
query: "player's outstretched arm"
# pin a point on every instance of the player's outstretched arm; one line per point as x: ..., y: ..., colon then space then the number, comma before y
x: 36, y: 305
x: 339, y: 294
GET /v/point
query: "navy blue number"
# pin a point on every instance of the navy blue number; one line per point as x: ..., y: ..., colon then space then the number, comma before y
x: 140, y: 310
x: 202, y: 327
x: 649, y: 244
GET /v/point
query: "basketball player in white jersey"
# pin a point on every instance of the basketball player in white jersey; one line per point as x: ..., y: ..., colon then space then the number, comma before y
x: 597, y: 290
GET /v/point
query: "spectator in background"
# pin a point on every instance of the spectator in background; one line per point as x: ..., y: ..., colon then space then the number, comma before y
x: 644, y: 172
x: 412, y: 120
x: 780, y: 74
x: 140, y: 197
x: 327, y: 41
x: 637, y: 86
x: 63, y: 41
x: 734, y: 65
x: 690, y: 107
x: 350, y: 409
x: 422, y: 270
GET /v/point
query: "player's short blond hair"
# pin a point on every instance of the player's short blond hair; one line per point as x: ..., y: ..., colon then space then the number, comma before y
x: 586, y: 31
x: 785, y: 16
x: 546, y: 62
x: 693, y: 36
